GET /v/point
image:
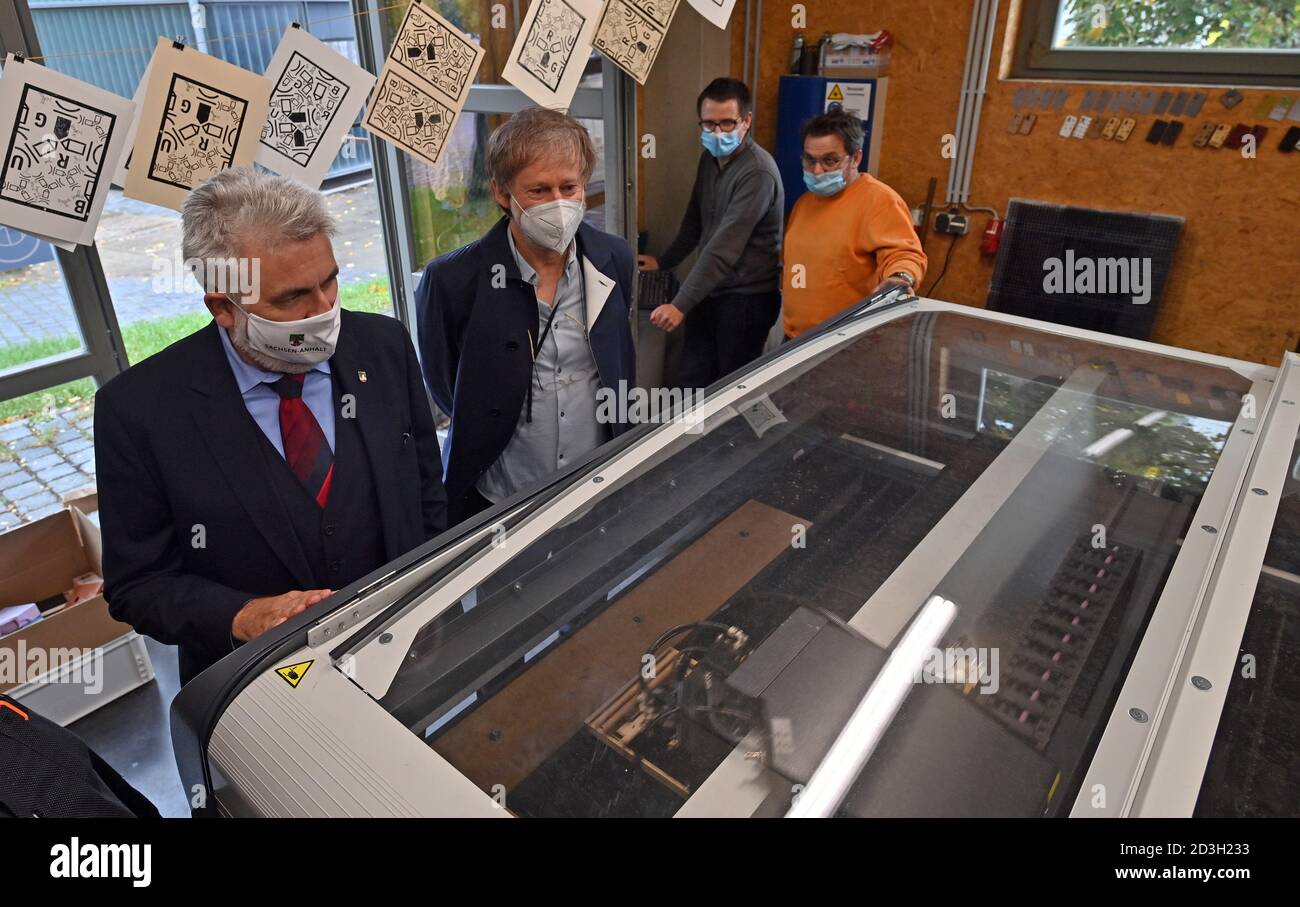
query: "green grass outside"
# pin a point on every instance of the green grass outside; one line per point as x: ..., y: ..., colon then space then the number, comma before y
x: 142, y: 339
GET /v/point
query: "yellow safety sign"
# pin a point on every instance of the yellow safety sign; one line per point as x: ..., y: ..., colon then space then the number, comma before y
x: 293, y: 674
x: 835, y: 93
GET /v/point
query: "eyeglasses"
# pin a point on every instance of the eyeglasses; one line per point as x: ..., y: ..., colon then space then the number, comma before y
x: 724, y: 125
x: 828, y: 163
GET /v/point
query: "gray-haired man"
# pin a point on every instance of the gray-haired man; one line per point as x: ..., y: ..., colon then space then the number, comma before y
x: 283, y: 451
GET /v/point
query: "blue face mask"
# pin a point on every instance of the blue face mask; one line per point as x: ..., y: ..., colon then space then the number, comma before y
x: 720, y: 144
x: 830, y: 183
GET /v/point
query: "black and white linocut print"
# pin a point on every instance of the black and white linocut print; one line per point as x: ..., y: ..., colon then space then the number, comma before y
x: 304, y: 102
x: 631, y: 32
x: 551, y: 40
x: 198, y: 135
x: 56, y: 154
x: 436, y: 53
x: 405, y: 114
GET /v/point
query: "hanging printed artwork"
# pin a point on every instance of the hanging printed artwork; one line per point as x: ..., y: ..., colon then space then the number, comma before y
x: 121, y: 165
x: 64, y: 136
x: 552, y: 50
x: 424, y: 84
x: 716, y: 11
x: 316, y: 96
x: 200, y: 115
x: 631, y: 32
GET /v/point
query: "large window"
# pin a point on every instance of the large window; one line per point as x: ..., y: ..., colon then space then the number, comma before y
x: 69, y: 321
x: 1214, y: 41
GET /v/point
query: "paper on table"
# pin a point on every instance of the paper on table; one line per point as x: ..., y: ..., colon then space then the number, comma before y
x: 423, y: 85
x: 200, y: 115
x: 716, y: 11
x: 63, y: 136
x: 631, y: 32
x: 552, y: 49
x: 316, y: 95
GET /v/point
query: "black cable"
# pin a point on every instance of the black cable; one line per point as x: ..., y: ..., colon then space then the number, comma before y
x: 944, y: 270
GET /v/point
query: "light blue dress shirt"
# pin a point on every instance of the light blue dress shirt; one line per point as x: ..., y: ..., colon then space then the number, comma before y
x: 263, y: 403
x: 565, y: 380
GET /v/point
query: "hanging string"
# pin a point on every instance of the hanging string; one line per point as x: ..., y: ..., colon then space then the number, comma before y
x: 264, y: 31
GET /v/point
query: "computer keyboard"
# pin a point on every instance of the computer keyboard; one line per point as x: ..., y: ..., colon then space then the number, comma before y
x: 654, y: 288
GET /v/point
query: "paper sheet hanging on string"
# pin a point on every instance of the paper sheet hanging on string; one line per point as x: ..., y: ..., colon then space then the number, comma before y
x: 316, y: 95
x: 631, y: 32
x: 424, y: 83
x: 716, y: 11
x: 124, y: 161
x: 551, y: 52
x: 64, y: 136
x: 200, y: 115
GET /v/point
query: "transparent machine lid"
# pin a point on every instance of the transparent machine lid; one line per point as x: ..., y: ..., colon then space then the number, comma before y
x: 742, y: 588
x: 1254, y: 767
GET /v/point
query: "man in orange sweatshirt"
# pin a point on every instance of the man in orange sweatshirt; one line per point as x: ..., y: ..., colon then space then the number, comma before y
x: 849, y: 235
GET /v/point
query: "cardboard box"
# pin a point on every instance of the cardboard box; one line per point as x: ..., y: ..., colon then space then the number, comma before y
x: 42, y: 559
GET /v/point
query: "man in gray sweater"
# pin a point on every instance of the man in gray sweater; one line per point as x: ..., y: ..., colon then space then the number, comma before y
x: 732, y: 295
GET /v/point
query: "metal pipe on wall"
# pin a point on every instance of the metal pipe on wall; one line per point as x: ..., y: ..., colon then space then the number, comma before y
x: 986, y: 53
x: 954, y: 169
x: 758, y: 57
x: 749, y: 18
x: 979, y: 50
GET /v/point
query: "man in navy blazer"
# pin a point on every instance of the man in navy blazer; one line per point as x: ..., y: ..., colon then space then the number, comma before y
x: 285, y: 450
x: 522, y: 331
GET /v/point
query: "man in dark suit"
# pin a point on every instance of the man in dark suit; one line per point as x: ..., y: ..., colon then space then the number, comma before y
x: 523, y: 331
x: 281, y: 452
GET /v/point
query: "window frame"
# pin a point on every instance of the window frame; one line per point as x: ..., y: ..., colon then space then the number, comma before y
x: 1036, y: 58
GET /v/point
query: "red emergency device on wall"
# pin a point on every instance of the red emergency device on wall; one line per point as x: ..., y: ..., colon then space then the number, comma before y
x: 992, y: 236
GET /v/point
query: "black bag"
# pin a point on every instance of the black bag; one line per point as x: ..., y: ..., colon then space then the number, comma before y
x: 48, y: 772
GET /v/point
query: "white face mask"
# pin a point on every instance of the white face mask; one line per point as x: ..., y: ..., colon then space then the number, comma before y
x: 293, y: 346
x: 550, y: 225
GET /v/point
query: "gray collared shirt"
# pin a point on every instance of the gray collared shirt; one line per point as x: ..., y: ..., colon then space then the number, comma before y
x: 565, y: 381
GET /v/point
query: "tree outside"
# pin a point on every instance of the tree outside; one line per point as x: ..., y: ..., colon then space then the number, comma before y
x: 1207, y: 24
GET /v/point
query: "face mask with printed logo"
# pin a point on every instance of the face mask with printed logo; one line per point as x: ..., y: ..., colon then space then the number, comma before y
x: 298, y: 344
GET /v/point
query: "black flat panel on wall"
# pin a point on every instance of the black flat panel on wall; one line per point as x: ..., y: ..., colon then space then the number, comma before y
x: 1040, y: 237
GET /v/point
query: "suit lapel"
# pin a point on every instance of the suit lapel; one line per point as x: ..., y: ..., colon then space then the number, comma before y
x: 232, y: 436
x: 598, y: 286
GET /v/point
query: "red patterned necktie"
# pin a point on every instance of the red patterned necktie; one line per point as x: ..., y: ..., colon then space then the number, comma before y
x: 305, y: 448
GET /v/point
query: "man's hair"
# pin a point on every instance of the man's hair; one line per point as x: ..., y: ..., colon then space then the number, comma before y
x: 241, y: 204
x: 536, y: 133
x: 837, y: 122
x: 724, y: 89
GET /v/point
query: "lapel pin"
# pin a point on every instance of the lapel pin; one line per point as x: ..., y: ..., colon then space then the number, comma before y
x: 361, y: 376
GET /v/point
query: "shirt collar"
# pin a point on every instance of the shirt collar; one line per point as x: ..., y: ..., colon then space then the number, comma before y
x: 249, y: 376
x: 526, y: 271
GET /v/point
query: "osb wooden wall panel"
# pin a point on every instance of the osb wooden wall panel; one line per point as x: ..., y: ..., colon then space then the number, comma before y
x: 1235, y: 285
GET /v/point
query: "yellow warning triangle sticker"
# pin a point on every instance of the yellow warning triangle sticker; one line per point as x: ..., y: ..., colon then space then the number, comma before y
x: 294, y: 673
x: 836, y: 94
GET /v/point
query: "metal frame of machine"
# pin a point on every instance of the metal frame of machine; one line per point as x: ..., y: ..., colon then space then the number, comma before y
x: 335, y: 751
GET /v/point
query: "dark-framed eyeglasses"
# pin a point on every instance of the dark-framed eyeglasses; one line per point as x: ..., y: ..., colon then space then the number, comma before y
x: 830, y: 162
x: 724, y: 125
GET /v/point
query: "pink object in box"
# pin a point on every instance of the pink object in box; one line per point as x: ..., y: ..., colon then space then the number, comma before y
x: 17, y: 616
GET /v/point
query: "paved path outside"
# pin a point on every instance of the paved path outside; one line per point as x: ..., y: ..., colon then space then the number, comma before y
x: 139, y: 246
